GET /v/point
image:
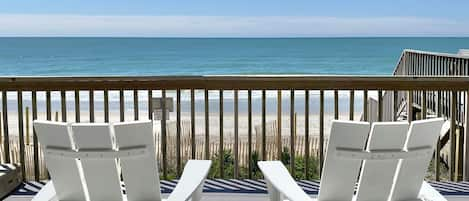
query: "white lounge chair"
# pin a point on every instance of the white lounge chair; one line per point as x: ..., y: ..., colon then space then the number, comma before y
x: 391, y: 166
x: 82, y: 162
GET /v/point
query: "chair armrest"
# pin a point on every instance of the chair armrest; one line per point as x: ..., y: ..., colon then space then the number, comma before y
x: 191, y: 181
x: 428, y: 193
x: 280, y: 182
x: 47, y: 193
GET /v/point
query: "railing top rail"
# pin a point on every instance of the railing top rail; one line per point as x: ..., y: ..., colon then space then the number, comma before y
x: 268, y: 82
x: 437, y: 53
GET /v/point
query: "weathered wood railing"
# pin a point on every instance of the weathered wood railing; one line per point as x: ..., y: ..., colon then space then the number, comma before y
x: 44, y: 89
x: 450, y: 104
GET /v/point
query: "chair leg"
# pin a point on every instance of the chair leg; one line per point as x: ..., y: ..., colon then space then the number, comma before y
x: 274, y: 194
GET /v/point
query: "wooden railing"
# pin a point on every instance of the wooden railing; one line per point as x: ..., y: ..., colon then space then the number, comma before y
x: 448, y: 103
x: 41, y: 91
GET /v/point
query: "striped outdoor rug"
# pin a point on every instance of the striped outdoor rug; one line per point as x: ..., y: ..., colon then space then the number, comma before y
x: 254, y: 186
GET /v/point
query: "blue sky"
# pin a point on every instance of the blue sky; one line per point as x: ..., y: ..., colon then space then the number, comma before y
x: 240, y: 18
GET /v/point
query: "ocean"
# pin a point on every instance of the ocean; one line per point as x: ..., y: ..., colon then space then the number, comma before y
x: 206, y: 56
x: 209, y: 56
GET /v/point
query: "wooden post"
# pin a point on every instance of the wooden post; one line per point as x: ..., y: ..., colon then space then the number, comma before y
x: 178, y: 131
x: 380, y: 105
x: 236, y: 138
x: 91, y: 105
x: 279, y: 124
x: 250, y: 168
x: 351, y: 104
x: 321, y: 131
x: 424, y: 104
x: 27, y: 126
x: 35, y: 140
x: 466, y: 140
x: 336, y: 104
x: 365, y: 105
x: 264, y: 137
x: 395, y: 105
x: 77, y: 106
x: 292, y: 132
x: 410, y: 103
x: 63, y: 105
x: 220, y: 151
x: 136, y: 105
x: 1, y: 134
x: 193, y: 147
x: 452, y: 139
x: 207, y: 126
x: 121, y: 105
x: 437, y: 151
x: 21, y: 133
x: 306, y: 146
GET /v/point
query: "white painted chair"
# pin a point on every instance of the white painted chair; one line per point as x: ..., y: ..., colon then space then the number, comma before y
x: 85, y: 161
x: 391, y: 166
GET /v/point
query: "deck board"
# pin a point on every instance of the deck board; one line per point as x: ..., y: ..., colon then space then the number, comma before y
x: 240, y: 189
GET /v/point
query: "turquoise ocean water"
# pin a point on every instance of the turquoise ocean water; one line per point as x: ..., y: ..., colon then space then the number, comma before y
x: 204, y: 56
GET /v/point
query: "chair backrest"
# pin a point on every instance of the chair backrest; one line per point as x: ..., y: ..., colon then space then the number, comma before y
x: 64, y: 172
x: 82, y: 160
x: 391, y: 164
x: 101, y: 174
x: 140, y: 173
x: 339, y: 176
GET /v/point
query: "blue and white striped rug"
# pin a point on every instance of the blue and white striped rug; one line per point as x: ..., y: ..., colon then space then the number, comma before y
x: 255, y: 186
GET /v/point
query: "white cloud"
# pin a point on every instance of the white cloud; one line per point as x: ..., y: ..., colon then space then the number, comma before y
x: 225, y: 26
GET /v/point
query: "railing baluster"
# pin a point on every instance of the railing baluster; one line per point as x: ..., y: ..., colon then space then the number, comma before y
x: 122, y: 107
x: 35, y: 141
x: 307, y: 134
x: 91, y: 102
x: 249, y: 134
x: 395, y: 105
x: 452, y: 138
x: 279, y: 124
x: 150, y: 104
x: 207, y: 126
x: 135, y: 105
x: 106, y: 105
x: 193, y: 148
x: 380, y: 105
x: 178, y: 132
x: 6, y: 137
x: 321, y: 131
x: 236, y: 138
x: 466, y: 140
x: 424, y: 104
x: 351, y: 104
x: 365, y: 105
x: 292, y: 132
x: 410, y: 109
x: 437, y: 151
x: 336, y: 104
x: 63, y: 104
x: 220, y: 150
x: 163, y: 131
x: 48, y: 106
x: 264, y: 152
x: 77, y: 105
x: 21, y: 132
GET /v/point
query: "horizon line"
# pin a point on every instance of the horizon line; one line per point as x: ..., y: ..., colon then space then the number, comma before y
x: 236, y: 37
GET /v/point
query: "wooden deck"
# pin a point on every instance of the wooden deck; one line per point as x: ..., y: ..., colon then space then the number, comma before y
x: 247, y: 189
